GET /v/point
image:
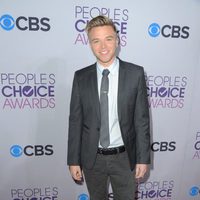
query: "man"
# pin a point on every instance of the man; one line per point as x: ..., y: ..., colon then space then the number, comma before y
x: 109, y: 119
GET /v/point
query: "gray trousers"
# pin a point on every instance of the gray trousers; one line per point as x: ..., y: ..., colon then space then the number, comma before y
x: 114, y: 169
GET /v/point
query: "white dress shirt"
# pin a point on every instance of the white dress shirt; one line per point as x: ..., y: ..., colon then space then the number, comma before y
x: 114, y: 129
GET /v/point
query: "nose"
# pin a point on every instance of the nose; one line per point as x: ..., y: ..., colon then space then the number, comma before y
x: 103, y: 44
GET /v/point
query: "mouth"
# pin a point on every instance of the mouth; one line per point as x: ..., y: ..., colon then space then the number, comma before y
x: 105, y: 52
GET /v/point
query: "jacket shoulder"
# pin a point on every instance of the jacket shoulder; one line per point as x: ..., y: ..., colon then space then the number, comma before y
x: 85, y: 70
x: 131, y: 66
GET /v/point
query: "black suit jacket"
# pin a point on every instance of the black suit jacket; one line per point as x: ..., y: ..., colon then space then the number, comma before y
x: 85, y: 120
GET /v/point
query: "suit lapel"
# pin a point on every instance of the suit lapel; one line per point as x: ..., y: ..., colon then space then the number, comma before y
x: 120, y: 88
x: 95, y: 95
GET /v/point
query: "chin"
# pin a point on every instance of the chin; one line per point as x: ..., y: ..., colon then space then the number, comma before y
x: 104, y: 60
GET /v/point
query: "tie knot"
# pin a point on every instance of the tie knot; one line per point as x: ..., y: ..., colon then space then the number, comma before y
x: 105, y: 72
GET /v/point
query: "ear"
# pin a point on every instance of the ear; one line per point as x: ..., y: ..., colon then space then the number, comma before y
x: 117, y: 41
x: 89, y: 42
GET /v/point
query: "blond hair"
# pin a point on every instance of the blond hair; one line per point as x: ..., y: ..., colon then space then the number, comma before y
x: 100, y: 21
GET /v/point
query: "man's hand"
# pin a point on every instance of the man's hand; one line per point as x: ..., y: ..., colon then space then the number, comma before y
x: 140, y: 170
x: 76, y: 172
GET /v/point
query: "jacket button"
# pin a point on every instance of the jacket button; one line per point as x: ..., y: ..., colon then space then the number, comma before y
x: 98, y: 129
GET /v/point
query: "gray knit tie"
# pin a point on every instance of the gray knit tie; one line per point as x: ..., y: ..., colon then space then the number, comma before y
x: 104, y: 130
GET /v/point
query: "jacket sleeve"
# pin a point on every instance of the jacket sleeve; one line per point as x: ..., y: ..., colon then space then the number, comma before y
x: 141, y: 121
x: 75, y: 125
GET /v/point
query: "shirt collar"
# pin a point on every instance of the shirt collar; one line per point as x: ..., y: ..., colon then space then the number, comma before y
x: 112, y: 68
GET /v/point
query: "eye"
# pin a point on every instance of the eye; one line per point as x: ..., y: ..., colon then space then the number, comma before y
x: 109, y: 39
x: 7, y: 22
x: 95, y: 41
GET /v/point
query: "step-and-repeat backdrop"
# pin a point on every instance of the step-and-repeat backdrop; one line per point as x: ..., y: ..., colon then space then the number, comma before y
x: 42, y: 43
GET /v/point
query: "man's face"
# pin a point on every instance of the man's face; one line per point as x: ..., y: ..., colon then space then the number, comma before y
x: 103, y: 42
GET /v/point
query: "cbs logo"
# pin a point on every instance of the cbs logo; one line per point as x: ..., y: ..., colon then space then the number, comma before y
x: 7, y: 22
x: 163, y: 146
x: 194, y: 191
x: 167, y: 31
x: 32, y: 150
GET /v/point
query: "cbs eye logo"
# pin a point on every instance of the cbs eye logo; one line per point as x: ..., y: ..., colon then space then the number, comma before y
x: 7, y: 22
x: 194, y: 191
x: 16, y: 151
x: 168, y: 31
x: 83, y: 197
x: 31, y: 150
x: 22, y: 23
x: 154, y: 30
